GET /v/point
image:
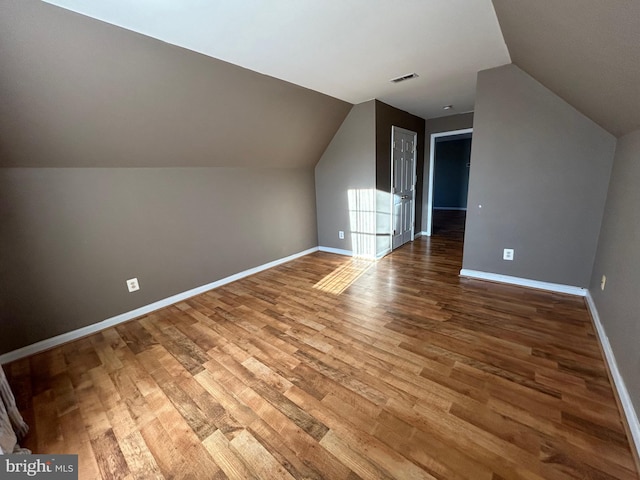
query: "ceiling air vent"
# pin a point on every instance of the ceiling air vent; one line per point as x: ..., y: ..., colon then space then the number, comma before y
x: 402, y: 78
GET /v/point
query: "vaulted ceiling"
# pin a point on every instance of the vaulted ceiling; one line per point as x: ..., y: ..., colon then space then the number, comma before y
x: 346, y: 49
x: 586, y: 51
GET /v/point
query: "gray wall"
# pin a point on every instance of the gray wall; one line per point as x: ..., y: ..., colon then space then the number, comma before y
x: 78, y: 93
x: 353, y: 178
x: 438, y: 125
x: 451, y: 174
x: 619, y: 259
x: 386, y: 117
x: 347, y: 164
x: 540, y: 170
x: 70, y: 237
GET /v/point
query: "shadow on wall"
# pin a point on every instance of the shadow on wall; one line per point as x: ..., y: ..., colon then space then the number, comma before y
x: 362, y: 222
x: 370, y: 222
x: 370, y: 226
x: 365, y: 220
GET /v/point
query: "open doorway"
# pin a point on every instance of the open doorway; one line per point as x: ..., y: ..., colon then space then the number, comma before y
x: 449, y: 166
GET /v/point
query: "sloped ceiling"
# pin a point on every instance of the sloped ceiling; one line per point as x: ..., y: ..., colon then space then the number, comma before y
x: 77, y: 92
x: 346, y: 49
x: 585, y: 51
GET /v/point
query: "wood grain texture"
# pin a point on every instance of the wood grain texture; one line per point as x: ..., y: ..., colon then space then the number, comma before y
x: 407, y: 371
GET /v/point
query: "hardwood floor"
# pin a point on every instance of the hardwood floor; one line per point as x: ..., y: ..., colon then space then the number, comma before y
x: 449, y: 223
x: 328, y: 367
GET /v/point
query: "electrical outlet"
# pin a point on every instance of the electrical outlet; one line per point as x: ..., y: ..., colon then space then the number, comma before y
x: 133, y: 285
x: 603, y: 282
x: 341, y: 235
x: 507, y: 254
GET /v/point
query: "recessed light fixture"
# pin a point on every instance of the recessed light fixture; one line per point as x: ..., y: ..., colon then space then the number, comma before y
x: 447, y: 107
x: 402, y: 78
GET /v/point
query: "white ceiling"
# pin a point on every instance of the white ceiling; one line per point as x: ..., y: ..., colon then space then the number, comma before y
x: 348, y: 49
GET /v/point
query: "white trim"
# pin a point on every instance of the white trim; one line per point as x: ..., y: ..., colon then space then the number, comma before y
x: 450, y: 208
x: 422, y: 234
x: 391, y: 210
x: 432, y: 161
x: 349, y: 253
x: 524, y: 282
x: 338, y: 251
x: 123, y: 317
x: 623, y: 394
x: 418, y: 235
x: 618, y: 381
x: 367, y: 256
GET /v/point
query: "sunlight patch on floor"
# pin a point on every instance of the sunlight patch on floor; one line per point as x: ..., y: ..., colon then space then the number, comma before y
x: 344, y: 276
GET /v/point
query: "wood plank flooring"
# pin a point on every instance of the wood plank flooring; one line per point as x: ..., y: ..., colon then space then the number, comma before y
x: 333, y: 368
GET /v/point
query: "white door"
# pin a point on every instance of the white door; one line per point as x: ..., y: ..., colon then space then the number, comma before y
x: 403, y: 181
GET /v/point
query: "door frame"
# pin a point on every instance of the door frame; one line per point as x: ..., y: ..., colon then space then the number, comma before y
x: 395, y: 128
x: 432, y: 163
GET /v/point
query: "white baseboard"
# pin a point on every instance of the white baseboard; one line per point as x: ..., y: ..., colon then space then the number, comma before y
x: 338, y: 251
x: 349, y: 253
x: 524, y: 282
x: 618, y: 381
x: 623, y: 393
x: 123, y: 317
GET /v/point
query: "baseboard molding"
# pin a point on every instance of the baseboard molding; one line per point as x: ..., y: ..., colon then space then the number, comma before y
x: 124, y: 317
x: 338, y: 251
x: 383, y: 253
x: 451, y: 208
x: 349, y: 253
x: 618, y: 382
x: 621, y: 389
x: 524, y: 282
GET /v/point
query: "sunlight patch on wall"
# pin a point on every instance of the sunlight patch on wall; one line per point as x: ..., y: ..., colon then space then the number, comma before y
x: 344, y: 276
x: 383, y: 223
x: 362, y: 218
